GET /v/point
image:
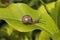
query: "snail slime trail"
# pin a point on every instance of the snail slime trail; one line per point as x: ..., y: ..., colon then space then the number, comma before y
x: 27, y: 19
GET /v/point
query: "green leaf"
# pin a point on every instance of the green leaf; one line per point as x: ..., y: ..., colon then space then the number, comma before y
x: 14, y: 13
x: 44, y: 36
x: 8, y: 30
x: 58, y: 12
x: 50, y: 6
x: 16, y: 35
x: 51, y: 9
x: 49, y: 23
x: 57, y: 35
x: 21, y: 27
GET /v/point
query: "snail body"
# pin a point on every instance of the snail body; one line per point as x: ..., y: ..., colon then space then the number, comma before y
x: 27, y: 19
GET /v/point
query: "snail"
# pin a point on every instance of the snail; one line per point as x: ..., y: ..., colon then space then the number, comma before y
x: 27, y: 19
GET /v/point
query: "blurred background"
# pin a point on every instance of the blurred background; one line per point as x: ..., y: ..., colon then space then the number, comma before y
x: 33, y: 3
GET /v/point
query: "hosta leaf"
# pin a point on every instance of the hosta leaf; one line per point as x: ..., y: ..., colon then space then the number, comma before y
x: 58, y: 12
x: 51, y: 9
x: 50, y: 6
x: 57, y: 35
x: 54, y: 15
x: 44, y: 36
x: 21, y: 27
x: 26, y: 38
x: 14, y: 13
x: 48, y: 23
x: 16, y: 35
x: 8, y: 30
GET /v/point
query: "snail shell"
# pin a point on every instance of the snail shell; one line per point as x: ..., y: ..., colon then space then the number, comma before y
x: 27, y: 19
